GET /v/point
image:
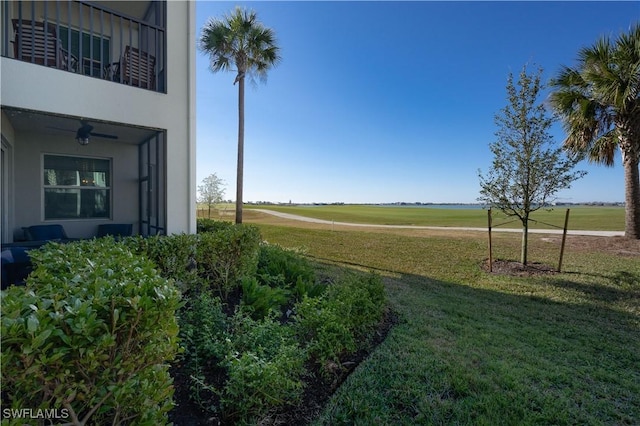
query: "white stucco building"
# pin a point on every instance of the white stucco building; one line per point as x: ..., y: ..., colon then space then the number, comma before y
x: 98, y: 116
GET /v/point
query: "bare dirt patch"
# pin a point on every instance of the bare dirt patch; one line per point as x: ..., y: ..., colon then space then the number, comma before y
x: 613, y: 245
x: 511, y: 267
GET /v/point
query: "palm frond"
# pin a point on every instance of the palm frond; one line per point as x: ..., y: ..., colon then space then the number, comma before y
x: 239, y: 40
x: 603, y: 150
x: 600, y: 96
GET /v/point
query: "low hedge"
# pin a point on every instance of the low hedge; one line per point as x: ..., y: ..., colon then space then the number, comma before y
x: 90, y: 335
x: 215, y: 259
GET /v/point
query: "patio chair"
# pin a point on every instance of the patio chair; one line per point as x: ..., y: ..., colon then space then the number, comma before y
x: 45, y: 233
x: 40, y: 45
x: 16, y: 265
x: 137, y: 68
x: 115, y: 230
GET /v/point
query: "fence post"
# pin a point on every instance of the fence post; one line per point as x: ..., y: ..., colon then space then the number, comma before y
x: 564, y: 238
x: 489, y: 225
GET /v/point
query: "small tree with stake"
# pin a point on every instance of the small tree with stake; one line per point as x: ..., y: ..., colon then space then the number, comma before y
x: 527, y: 170
x: 211, y: 191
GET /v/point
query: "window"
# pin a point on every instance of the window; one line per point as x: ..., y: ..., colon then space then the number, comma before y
x: 76, y: 187
x: 92, y: 48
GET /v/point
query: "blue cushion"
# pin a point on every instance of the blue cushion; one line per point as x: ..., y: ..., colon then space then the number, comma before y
x: 16, y: 265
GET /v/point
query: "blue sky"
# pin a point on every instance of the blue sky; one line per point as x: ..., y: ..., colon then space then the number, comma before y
x: 379, y: 102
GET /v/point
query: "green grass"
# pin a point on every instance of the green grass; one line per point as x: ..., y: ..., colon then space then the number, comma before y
x: 581, y: 217
x: 482, y: 349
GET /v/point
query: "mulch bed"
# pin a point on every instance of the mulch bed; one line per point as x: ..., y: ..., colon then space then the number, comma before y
x: 317, y: 390
x: 511, y: 267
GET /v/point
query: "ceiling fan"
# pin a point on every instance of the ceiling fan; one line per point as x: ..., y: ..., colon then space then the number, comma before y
x: 86, y: 130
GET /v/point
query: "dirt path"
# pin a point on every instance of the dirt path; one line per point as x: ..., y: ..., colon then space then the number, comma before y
x: 450, y: 228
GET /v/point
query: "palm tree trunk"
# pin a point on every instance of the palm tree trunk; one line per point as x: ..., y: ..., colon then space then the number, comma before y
x: 632, y: 197
x: 240, y: 171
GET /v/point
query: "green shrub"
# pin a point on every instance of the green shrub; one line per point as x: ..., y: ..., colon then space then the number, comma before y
x: 261, y: 299
x: 226, y: 256
x: 333, y: 324
x: 203, y: 328
x: 210, y: 225
x: 308, y: 288
x: 205, y: 337
x: 173, y: 255
x: 320, y: 323
x: 217, y: 259
x: 288, y: 266
x: 91, y: 332
x: 361, y: 301
x: 265, y: 367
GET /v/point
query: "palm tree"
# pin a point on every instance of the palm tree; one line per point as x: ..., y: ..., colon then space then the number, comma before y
x: 240, y: 41
x: 599, y: 103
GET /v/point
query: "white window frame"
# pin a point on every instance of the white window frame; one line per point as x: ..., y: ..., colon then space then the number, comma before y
x: 108, y: 188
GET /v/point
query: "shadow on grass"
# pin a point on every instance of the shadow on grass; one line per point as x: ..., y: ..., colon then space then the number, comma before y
x: 622, y: 285
x: 626, y: 278
x: 464, y: 354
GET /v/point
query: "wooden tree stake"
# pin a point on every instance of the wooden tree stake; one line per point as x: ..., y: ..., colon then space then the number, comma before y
x: 490, y: 257
x: 564, y: 238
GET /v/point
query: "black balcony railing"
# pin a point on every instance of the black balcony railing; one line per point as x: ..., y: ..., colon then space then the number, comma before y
x: 127, y: 46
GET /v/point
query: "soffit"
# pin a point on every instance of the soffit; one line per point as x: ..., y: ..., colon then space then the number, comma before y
x: 59, y: 125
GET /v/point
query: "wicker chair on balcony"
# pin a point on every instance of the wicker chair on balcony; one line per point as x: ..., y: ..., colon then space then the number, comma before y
x: 138, y: 68
x: 37, y: 43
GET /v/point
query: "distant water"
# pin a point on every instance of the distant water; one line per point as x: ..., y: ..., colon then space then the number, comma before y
x: 437, y: 206
x: 409, y: 206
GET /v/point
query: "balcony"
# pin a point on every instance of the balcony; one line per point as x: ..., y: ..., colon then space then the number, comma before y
x: 123, y: 42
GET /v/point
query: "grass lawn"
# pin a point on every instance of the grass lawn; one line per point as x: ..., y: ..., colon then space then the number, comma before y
x: 581, y: 217
x: 485, y: 349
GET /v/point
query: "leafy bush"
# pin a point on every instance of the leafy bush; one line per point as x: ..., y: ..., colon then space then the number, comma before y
x: 217, y: 259
x: 203, y: 327
x: 289, y: 266
x: 204, y: 335
x: 361, y: 301
x: 226, y: 256
x: 265, y: 367
x: 174, y: 256
x: 320, y: 323
x: 279, y: 267
x: 333, y: 323
x: 210, y: 225
x: 90, y: 332
x: 308, y: 288
x: 261, y: 299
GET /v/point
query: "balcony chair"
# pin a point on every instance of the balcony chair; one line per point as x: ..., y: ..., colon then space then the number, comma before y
x: 137, y: 68
x: 33, y: 43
